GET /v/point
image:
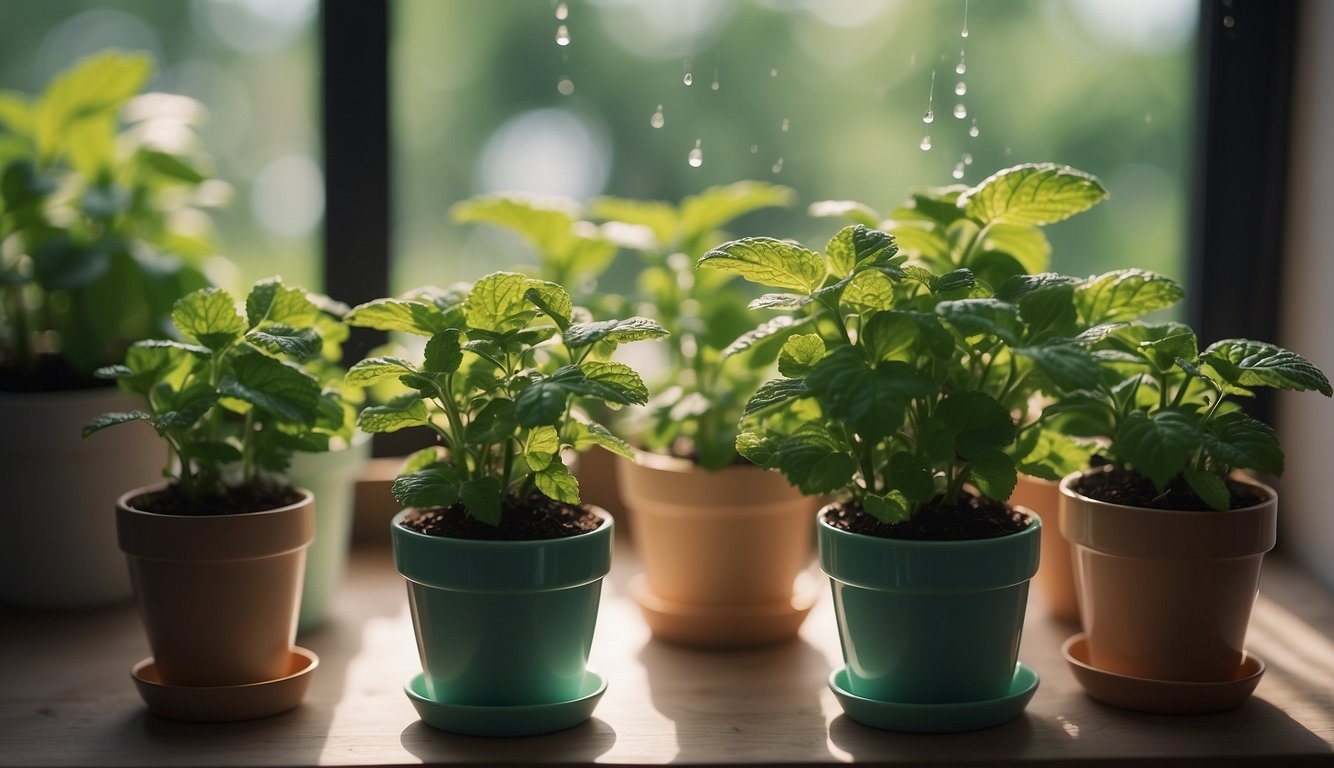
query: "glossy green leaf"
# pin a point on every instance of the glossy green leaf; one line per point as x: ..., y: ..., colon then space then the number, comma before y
x: 438, y: 485
x: 281, y: 339
x: 781, y: 301
x: 498, y: 303
x: 774, y: 392
x: 392, y: 417
x: 814, y: 461
x: 416, y: 317
x: 444, y: 353
x: 556, y: 482
x: 111, y: 419
x: 974, y: 317
x: 868, y: 291
x: 271, y: 301
x: 1247, y: 363
x: 274, y: 386
x: 580, y: 335
x: 481, y: 497
x: 553, y: 300
x: 374, y: 370
x: 629, y: 388
x: 1069, y: 367
x: 1027, y: 245
x: 993, y: 473
x: 977, y: 423
x: 1125, y: 294
x: 1238, y: 441
x: 859, y: 213
x: 869, y: 400
x: 1035, y: 194
x: 1209, y: 487
x: 912, y: 475
x: 1158, y: 446
x: 209, y: 317
x: 541, y: 404
x: 494, y: 423
x: 892, y: 507
x: 856, y: 245
x: 769, y: 262
x: 587, y: 434
x: 800, y: 353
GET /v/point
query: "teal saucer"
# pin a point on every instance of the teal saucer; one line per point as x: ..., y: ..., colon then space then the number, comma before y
x: 522, y: 720
x: 936, y: 718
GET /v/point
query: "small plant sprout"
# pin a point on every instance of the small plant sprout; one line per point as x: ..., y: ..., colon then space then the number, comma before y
x: 505, y: 363
x: 232, y: 400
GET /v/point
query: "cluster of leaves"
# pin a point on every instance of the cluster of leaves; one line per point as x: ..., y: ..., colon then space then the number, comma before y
x: 698, y: 405
x: 236, y: 399
x: 504, y: 363
x: 100, y: 227
x: 901, y: 380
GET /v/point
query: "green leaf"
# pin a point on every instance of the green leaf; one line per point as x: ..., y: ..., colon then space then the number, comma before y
x: 1158, y: 447
x: 543, y: 222
x: 772, y: 327
x: 589, y: 433
x: 374, y: 370
x: 628, y: 387
x: 215, y: 451
x: 540, y: 447
x: 187, y: 414
x: 758, y: 447
x: 92, y: 90
x: 1017, y: 288
x: 271, y: 301
x: 152, y: 361
x: 974, y: 317
x: 553, y: 300
x: 814, y: 461
x: 770, y: 262
x: 1247, y: 363
x: 392, y: 417
x: 112, y: 419
x: 1035, y: 194
x: 977, y: 423
x: 1238, y: 441
x: 556, y: 482
x: 280, y: 339
x: 1069, y: 367
x: 859, y: 213
x: 285, y: 391
x: 421, y: 459
x: 624, y: 331
x: 780, y: 301
x: 494, y: 423
x: 955, y: 280
x: 171, y: 166
x: 498, y: 303
x: 1051, y: 455
x: 912, y: 475
x: 1209, y: 487
x: 1125, y: 294
x: 774, y: 392
x: 892, y: 507
x: 209, y: 317
x: 856, y: 245
x: 717, y: 206
x: 869, y: 291
x: 659, y: 217
x: 416, y: 317
x: 541, y: 404
x: 800, y: 353
x: 871, y: 401
x: 889, y: 335
x: 993, y: 473
x: 444, y: 353
x: 435, y: 486
x: 1049, y: 312
x: 481, y: 497
x: 1025, y: 244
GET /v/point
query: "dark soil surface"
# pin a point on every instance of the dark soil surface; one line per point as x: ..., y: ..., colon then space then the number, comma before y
x: 170, y: 501
x: 1132, y: 489
x: 51, y: 374
x: 531, y: 519
x: 971, y: 517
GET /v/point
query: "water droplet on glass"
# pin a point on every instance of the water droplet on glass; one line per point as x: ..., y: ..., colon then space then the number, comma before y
x: 696, y: 157
x: 562, y: 11
x: 565, y: 86
x: 928, y: 117
x: 688, y: 79
x: 784, y: 126
x: 754, y: 148
x: 964, y: 32
x: 973, y: 131
x: 714, y: 86
x: 958, y: 171
x: 961, y: 67
x: 960, y: 111
x: 657, y: 120
x: 960, y: 88
x: 1229, y: 22
x: 562, y: 35
x: 925, y: 146
x: 967, y: 159
x: 773, y: 72
x: 778, y: 166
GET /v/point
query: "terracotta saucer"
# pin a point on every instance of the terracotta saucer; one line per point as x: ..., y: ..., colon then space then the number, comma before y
x: 223, y: 703
x: 1165, y: 697
x: 726, y: 626
x: 952, y: 717
x: 522, y: 720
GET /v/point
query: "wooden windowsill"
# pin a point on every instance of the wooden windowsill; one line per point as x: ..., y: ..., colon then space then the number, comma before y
x: 67, y: 698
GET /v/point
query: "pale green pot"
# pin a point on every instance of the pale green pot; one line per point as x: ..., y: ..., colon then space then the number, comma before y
x: 332, y: 477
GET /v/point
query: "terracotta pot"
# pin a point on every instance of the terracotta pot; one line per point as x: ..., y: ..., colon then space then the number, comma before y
x: 1166, y: 594
x: 734, y: 540
x: 57, y: 538
x: 596, y: 469
x: 1055, y: 579
x: 218, y: 594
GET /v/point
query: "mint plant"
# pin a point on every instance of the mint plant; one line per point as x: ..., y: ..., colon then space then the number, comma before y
x: 1166, y: 411
x: 901, y: 379
x: 505, y: 363
x: 233, y: 401
x: 100, y: 226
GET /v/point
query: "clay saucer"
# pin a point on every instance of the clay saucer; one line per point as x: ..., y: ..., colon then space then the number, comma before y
x: 952, y: 717
x: 224, y: 703
x: 519, y: 720
x: 1165, y: 697
x: 726, y: 626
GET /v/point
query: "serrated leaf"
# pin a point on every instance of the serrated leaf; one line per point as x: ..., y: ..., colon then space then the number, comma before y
x: 556, y: 482
x: 1036, y: 194
x: 494, y: 423
x: 974, y: 317
x: 868, y: 291
x: 208, y: 316
x: 977, y: 423
x: 1157, y: 446
x: 444, y: 353
x: 541, y: 404
x: 1049, y: 312
x: 1018, y: 287
x: 279, y: 339
x: 373, y: 370
x: 1209, y: 487
x: 779, y: 301
x: 763, y: 331
x: 628, y: 386
x: 889, y: 335
x: 1125, y: 294
x: 954, y: 280
x: 111, y: 419
x: 393, y: 417
x: 1247, y: 363
x: 542, y: 221
x: 1069, y: 367
x: 871, y: 401
x: 435, y: 486
x: 185, y: 415
x: 856, y: 245
x: 758, y: 447
x: 1238, y: 441
x: 580, y: 335
x: 1051, y: 455
x: 287, y: 392
x: 540, y: 447
x: 769, y: 262
x: 498, y: 303
x: 860, y: 213
x: 814, y: 461
x: 799, y: 354
x: 774, y: 392
x: 892, y: 507
x: 994, y: 474
x: 421, y: 459
x: 91, y: 90
x: 912, y: 475
x: 1027, y: 245
x: 481, y: 497
x: 590, y: 433
x: 717, y: 206
x: 553, y: 300
x: 271, y: 301
x: 416, y: 317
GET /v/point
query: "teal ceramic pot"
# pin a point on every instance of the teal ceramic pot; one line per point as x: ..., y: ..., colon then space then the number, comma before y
x: 929, y: 622
x: 503, y: 623
x: 332, y: 477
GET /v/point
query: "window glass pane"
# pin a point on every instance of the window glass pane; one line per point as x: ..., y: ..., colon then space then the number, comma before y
x: 825, y: 97
x: 252, y: 64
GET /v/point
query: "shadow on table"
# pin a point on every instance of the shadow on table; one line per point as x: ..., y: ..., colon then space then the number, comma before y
x: 758, y: 703
x: 867, y: 744
x: 581, y: 744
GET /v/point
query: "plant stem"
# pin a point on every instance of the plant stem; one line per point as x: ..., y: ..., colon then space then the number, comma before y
x: 248, y: 438
x: 455, y: 425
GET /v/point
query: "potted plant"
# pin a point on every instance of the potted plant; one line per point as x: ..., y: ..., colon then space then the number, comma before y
x: 932, y: 228
x: 504, y: 568
x: 100, y: 232
x: 216, y: 554
x: 894, y: 399
x: 1170, y: 532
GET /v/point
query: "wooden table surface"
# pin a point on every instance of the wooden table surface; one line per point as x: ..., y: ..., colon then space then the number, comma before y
x: 67, y: 698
